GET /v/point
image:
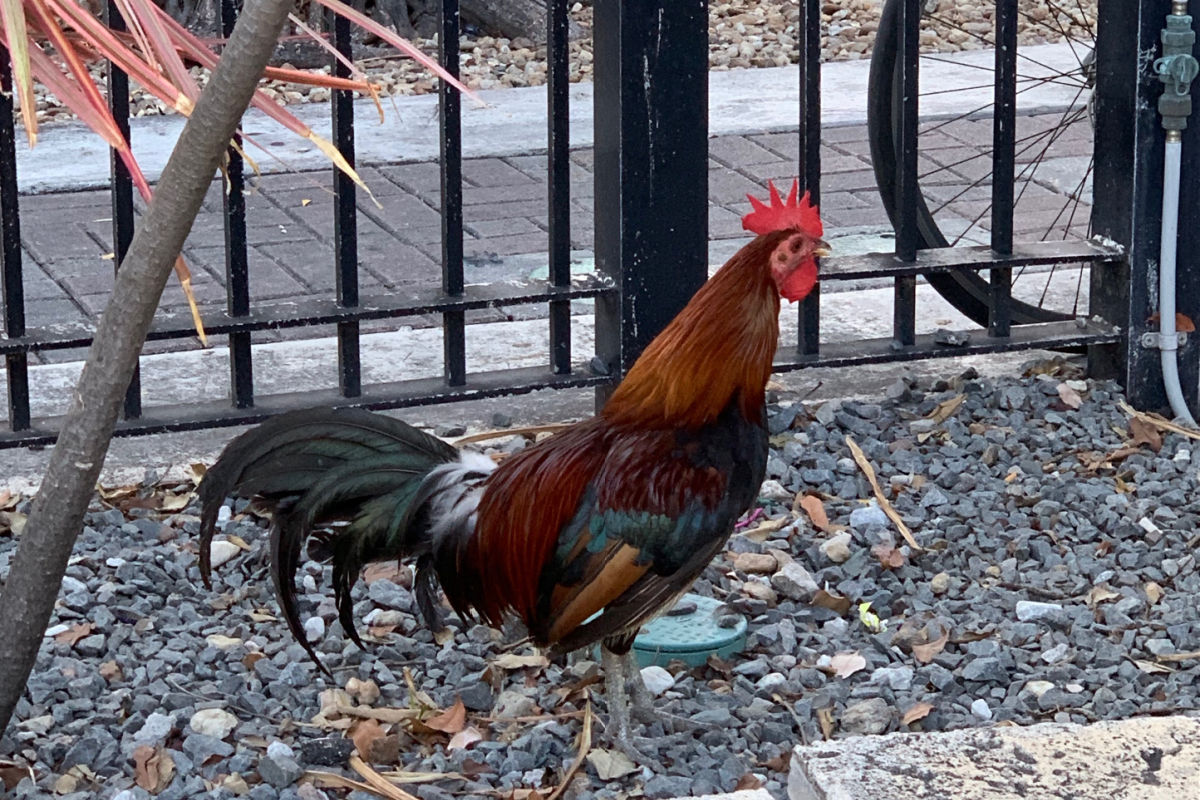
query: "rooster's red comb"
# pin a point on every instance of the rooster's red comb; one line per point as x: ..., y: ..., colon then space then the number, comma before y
x: 795, y: 214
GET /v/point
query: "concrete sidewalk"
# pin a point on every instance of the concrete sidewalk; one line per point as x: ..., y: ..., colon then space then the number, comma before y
x: 1144, y: 758
x: 66, y: 226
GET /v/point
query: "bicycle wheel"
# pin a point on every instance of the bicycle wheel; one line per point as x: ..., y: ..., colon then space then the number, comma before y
x: 1053, y: 145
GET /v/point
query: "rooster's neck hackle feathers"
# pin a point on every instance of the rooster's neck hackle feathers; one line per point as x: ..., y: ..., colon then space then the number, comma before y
x: 720, y: 347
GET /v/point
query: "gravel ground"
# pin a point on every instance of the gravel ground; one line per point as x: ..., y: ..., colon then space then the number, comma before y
x: 743, y: 34
x: 1056, y: 581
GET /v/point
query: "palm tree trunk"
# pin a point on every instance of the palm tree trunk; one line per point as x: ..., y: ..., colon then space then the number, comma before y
x: 27, y: 598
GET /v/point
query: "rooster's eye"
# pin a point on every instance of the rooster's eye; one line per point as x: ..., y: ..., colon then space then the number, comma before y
x: 796, y: 245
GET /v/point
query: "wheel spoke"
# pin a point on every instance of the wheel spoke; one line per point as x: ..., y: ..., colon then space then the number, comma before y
x: 954, y: 184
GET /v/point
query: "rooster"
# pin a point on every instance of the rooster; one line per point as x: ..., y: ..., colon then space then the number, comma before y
x: 583, y: 537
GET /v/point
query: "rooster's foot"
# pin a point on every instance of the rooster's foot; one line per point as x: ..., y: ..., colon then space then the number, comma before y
x: 636, y: 755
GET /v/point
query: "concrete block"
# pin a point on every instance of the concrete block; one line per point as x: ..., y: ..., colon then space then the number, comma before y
x: 1145, y: 758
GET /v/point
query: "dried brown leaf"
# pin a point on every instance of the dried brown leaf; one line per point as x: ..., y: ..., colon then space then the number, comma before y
x: 514, y: 661
x: 825, y: 718
x: 237, y: 784
x: 814, y: 509
x: 1101, y: 593
x: 392, y: 571
x: 834, y: 602
x: 364, y: 734
x: 1154, y: 592
x: 1070, y: 397
x: 175, y: 502
x: 464, y: 739
x: 1150, y: 668
x: 925, y: 653
x: 748, y: 783
x: 846, y: 664
x: 11, y: 774
x: 860, y: 458
x: 889, y: 557
x: 66, y: 784
x: 13, y: 522
x: 779, y: 763
x: 451, y: 721
x: 946, y: 408
x: 237, y: 542
x: 611, y: 764
x: 366, y: 692
x: 719, y: 665
x: 585, y: 746
x: 380, y: 631
x: 762, y: 531
x: 1183, y: 323
x: 379, y: 784
x: 153, y: 768
x: 917, y: 712
x: 1142, y: 432
x: 71, y: 636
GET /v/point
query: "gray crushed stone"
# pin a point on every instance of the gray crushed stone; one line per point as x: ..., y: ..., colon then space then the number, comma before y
x: 1055, y: 582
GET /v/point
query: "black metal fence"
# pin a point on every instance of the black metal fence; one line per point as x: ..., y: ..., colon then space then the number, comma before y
x: 651, y: 210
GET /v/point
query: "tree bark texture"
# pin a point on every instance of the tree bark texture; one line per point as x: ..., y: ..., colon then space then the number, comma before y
x: 511, y: 18
x: 27, y: 598
x: 508, y: 18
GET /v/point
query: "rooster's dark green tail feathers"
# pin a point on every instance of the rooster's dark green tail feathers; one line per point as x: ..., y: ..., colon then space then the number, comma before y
x: 318, y: 467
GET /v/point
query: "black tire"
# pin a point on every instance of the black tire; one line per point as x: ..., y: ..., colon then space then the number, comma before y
x: 967, y: 291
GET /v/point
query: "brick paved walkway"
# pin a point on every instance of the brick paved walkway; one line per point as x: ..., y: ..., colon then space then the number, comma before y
x: 67, y: 236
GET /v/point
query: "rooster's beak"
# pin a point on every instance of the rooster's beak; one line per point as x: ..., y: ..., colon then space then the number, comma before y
x: 822, y: 249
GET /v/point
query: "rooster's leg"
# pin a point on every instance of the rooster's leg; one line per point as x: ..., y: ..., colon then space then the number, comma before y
x: 616, y: 694
x: 643, y: 701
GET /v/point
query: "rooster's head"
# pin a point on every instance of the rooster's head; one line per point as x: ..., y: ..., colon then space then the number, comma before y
x: 796, y: 227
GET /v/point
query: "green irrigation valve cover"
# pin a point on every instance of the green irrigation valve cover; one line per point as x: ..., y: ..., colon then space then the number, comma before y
x: 694, y: 629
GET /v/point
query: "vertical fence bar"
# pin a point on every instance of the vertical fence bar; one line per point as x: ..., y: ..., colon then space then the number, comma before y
x: 558, y: 53
x: 1004, y: 126
x: 810, y: 154
x: 1127, y: 197
x: 454, y: 341
x: 237, y: 263
x: 13, y: 283
x: 904, y: 320
x: 345, y: 218
x: 651, y: 121
x: 122, y: 190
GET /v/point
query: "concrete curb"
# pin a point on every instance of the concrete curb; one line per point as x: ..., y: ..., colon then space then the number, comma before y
x: 1145, y: 758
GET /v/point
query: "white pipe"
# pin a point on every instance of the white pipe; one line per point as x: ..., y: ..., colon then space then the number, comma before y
x: 1168, y: 339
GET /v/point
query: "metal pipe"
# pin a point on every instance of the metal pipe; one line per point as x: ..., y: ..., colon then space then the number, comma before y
x: 1177, y: 68
x: 1168, y: 339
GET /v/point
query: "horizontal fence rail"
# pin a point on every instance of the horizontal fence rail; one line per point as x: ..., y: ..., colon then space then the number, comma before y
x: 651, y: 232
x: 349, y: 307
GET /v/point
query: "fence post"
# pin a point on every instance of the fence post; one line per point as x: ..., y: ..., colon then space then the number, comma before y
x: 12, y: 280
x: 1128, y: 202
x: 651, y: 173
